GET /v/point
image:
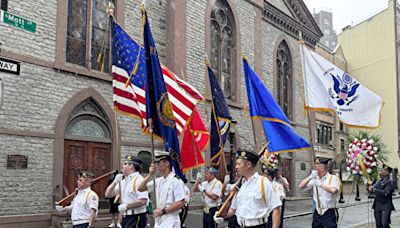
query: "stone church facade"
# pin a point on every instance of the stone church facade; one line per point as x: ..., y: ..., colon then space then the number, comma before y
x: 58, y: 112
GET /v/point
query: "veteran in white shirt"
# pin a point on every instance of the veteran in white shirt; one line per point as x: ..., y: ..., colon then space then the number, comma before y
x: 255, y: 199
x: 170, y: 192
x: 212, y: 192
x: 325, y: 189
x: 84, y: 206
x: 133, y: 202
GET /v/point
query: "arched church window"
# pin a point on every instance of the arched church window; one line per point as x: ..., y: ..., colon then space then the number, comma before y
x: 222, y: 51
x: 284, y: 78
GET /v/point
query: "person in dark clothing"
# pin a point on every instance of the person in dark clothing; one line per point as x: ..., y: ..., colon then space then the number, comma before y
x: 115, y: 217
x: 383, y: 203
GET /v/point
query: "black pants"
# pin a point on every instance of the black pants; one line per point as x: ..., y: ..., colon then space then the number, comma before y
x: 133, y: 221
x: 208, y: 219
x: 327, y: 220
x: 282, y: 212
x: 183, y: 214
x: 84, y: 225
x: 232, y: 222
x: 382, y: 218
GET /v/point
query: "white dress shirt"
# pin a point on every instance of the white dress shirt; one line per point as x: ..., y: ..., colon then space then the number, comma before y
x: 82, y: 204
x: 214, y: 186
x: 324, y: 200
x: 169, y: 190
x: 249, y: 203
x: 130, y: 193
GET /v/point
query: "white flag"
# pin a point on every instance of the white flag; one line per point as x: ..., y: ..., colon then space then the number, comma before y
x: 329, y: 88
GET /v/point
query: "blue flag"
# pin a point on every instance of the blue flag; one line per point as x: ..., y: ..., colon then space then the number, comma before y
x: 277, y: 128
x: 158, y: 105
x: 220, y: 120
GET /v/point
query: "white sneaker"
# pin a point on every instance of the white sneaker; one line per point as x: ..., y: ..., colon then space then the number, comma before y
x: 119, y: 225
x: 112, y: 225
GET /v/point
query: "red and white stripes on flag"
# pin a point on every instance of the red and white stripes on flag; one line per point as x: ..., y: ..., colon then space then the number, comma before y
x: 131, y: 100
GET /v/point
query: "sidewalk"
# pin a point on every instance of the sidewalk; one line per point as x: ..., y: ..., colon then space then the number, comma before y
x: 395, y: 221
x: 303, y: 206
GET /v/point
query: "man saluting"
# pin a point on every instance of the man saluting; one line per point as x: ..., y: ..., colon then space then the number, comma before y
x: 255, y: 199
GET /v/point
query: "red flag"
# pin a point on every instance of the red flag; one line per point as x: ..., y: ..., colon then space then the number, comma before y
x: 195, y: 141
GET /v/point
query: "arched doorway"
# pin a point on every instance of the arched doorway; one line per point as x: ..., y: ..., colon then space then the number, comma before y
x: 87, y: 146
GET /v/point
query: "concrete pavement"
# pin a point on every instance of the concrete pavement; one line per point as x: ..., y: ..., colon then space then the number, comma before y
x: 299, y: 213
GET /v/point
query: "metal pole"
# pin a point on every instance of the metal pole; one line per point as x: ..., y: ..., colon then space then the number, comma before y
x: 153, y: 158
x: 341, y: 200
x: 357, y: 193
x: 232, y: 138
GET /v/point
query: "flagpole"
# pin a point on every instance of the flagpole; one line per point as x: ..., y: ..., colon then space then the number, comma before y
x: 118, y: 152
x: 150, y: 122
x: 310, y: 119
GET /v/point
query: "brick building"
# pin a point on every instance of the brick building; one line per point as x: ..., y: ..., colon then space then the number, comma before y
x: 57, y: 112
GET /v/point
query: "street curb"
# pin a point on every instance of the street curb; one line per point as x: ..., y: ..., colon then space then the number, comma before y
x: 340, y: 206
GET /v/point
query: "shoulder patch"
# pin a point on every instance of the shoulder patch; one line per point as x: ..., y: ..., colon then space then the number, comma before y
x: 177, y: 177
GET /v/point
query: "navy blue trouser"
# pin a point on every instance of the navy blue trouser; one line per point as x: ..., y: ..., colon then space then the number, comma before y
x: 327, y: 220
x: 208, y: 219
x: 133, y: 221
x: 382, y: 218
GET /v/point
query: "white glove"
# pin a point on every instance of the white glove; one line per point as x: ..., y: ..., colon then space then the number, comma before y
x: 60, y: 208
x: 227, y: 178
x: 201, y: 188
x: 317, y: 183
x: 313, y: 174
x: 118, y: 178
x: 218, y: 220
x: 122, y: 208
x: 199, y: 176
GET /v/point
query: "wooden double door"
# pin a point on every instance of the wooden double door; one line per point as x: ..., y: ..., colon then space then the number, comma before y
x: 87, y: 156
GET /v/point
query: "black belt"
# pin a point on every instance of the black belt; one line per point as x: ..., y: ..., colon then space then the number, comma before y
x: 128, y: 216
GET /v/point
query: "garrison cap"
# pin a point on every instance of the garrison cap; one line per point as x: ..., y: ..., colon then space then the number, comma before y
x: 212, y: 170
x: 86, y: 174
x: 133, y: 160
x: 322, y: 160
x: 248, y: 155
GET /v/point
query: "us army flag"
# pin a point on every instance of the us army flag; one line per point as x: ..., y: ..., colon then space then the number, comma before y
x: 329, y: 88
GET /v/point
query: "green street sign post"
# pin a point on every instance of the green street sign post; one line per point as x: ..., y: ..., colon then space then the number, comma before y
x: 17, y: 21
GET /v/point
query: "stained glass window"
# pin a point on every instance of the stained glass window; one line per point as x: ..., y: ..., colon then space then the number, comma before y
x: 87, y: 128
x: 222, y: 46
x: 284, y: 79
x: 79, y: 51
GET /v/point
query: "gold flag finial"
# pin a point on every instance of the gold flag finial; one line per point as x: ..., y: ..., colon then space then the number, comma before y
x: 143, y: 5
x: 206, y: 60
x: 110, y: 9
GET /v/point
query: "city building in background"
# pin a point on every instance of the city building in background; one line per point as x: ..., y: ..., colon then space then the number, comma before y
x: 323, y: 17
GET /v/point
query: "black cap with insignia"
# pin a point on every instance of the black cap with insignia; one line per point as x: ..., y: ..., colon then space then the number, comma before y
x: 248, y: 155
x: 133, y: 160
x: 86, y: 174
x: 322, y: 160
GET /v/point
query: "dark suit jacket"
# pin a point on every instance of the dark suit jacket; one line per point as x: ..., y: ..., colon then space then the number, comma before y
x: 383, y: 190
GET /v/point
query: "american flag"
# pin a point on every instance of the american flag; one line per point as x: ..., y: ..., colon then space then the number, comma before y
x: 131, y: 100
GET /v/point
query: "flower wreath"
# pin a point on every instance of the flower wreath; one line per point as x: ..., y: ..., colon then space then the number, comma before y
x: 363, y: 155
x: 271, y: 160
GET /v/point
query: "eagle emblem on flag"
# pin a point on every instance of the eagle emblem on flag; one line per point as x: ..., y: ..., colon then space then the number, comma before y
x: 344, y: 89
x: 164, y: 111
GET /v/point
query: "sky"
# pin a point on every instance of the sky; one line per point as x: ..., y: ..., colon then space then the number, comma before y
x: 347, y: 12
